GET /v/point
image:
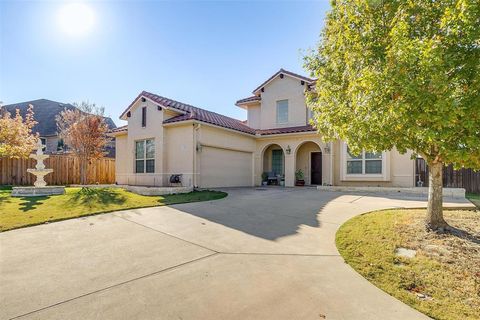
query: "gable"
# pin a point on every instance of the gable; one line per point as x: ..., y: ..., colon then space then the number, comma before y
x: 281, y: 74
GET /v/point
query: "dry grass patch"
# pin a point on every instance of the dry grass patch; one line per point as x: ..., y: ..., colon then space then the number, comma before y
x: 442, y: 280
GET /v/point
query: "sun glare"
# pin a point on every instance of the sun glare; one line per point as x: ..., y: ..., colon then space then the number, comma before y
x: 75, y: 18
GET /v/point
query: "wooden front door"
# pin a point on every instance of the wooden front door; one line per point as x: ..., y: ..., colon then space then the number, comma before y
x: 316, y: 168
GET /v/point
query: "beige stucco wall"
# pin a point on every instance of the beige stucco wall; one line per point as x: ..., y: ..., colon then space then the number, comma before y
x: 121, y: 161
x: 280, y: 89
x: 178, y: 153
x: 400, y: 170
x: 303, y: 160
x: 153, y: 130
x: 294, y: 142
x: 253, y: 116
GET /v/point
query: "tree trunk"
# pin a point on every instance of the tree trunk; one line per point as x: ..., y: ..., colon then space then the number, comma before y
x: 435, y: 219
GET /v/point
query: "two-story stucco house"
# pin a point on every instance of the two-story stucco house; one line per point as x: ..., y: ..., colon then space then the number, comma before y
x: 165, y: 137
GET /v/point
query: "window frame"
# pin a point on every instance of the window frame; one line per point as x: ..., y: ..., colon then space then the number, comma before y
x: 144, y: 158
x: 383, y: 176
x: 278, y: 113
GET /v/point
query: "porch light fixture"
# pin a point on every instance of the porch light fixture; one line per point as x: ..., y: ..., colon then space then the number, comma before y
x: 326, y: 150
x: 288, y: 150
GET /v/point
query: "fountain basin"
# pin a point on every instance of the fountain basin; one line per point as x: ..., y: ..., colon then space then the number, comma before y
x: 37, y: 191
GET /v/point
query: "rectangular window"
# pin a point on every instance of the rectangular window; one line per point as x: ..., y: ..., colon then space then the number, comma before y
x: 373, y: 162
x: 145, y: 156
x: 282, y: 111
x: 354, y: 163
x: 277, y: 161
x: 144, y: 116
x: 364, y: 163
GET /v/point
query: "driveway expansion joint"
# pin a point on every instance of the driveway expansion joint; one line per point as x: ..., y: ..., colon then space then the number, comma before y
x: 116, y: 285
x: 168, y: 234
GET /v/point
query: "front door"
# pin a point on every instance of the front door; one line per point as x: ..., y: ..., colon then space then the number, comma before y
x: 316, y: 168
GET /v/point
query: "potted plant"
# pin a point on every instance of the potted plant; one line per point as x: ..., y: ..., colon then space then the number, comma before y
x: 264, y: 179
x: 299, y: 176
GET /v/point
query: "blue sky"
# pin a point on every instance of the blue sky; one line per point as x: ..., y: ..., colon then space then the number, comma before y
x: 208, y: 54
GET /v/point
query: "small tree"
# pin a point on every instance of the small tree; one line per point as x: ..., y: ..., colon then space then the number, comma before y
x: 84, y: 131
x: 402, y: 74
x: 16, y: 137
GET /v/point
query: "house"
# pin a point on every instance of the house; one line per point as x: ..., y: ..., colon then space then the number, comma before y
x: 166, y: 137
x: 45, y: 113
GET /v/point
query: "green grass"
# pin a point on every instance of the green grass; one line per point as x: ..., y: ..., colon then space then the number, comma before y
x: 16, y: 212
x: 446, y: 267
x: 474, y: 198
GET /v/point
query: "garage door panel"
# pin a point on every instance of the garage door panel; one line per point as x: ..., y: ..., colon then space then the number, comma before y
x: 225, y: 168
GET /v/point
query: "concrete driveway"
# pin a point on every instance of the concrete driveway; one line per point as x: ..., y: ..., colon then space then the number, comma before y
x: 257, y: 254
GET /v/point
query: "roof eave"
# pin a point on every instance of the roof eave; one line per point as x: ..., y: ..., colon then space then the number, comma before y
x: 285, y: 134
x: 123, y: 116
x: 245, y: 104
x: 184, y: 122
x: 285, y: 72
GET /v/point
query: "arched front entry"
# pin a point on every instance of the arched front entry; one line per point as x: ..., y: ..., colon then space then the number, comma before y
x: 308, y: 159
x: 273, y: 164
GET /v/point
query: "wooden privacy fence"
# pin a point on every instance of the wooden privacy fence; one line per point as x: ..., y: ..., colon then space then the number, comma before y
x: 463, y: 178
x: 66, y: 171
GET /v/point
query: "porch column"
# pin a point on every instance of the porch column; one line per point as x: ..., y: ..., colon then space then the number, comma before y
x: 289, y: 170
x: 331, y: 163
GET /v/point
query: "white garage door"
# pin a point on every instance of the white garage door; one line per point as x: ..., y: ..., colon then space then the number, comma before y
x: 225, y: 168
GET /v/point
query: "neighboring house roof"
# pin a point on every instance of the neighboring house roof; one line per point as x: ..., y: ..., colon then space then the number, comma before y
x: 193, y: 113
x: 45, y: 113
x: 284, y: 72
x: 265, y: 132
x: 247, y: 100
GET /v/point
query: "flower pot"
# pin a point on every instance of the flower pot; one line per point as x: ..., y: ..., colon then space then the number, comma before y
x: 300, y: 183
x: 264, y: 183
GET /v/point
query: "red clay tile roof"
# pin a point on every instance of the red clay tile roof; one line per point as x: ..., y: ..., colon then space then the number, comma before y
x: 194, y: 113
x: 265, y: 132
x: 202, y: 115
x: 249, y: 99
x: 283, y: 71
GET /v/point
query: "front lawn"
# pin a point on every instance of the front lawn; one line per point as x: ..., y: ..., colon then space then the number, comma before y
x: 442, y: 280
x: 24, y: 211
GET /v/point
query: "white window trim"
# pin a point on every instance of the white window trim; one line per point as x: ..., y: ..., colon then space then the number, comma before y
x: 344, y: 176
x: 144, y: 157
x: 276, y: 107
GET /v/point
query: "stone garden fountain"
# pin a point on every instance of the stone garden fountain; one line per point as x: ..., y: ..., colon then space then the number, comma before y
x: 39, y: 186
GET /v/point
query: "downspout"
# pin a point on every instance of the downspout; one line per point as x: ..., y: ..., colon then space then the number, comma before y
x: 196, y: 127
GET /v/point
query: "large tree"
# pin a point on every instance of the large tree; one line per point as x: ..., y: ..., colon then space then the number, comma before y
x: 84, y: 131
x: 16, y: 137
x: 404, y: 74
